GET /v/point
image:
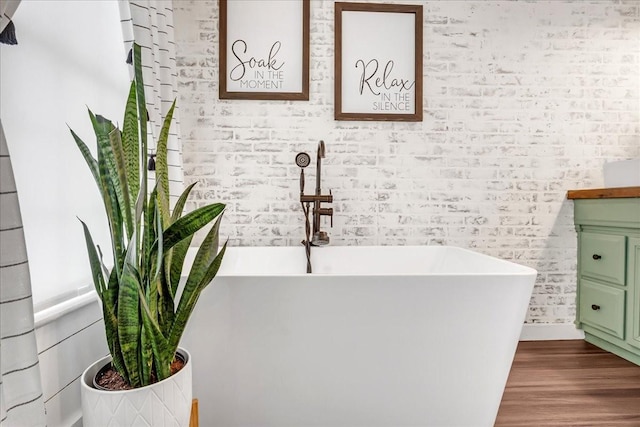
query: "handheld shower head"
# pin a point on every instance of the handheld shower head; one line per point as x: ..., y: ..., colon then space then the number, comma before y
x: 303, y: 160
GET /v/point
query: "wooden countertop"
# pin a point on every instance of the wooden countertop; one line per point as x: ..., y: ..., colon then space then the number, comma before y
x: 604, y: 193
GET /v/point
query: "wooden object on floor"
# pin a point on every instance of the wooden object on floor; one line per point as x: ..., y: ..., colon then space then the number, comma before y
x: 193, y: 422
x: 570, y: 383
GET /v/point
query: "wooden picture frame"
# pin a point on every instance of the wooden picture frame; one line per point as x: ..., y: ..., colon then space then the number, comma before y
x: 378, y: 62
x: 264, y: 49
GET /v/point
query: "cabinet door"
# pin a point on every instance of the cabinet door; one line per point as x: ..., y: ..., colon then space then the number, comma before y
x: 633, y: 306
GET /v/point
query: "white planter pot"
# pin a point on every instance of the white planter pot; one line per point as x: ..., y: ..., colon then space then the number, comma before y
x: 166, y: 403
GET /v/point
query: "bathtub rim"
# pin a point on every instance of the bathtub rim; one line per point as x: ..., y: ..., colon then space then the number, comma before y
x: 516, y: 270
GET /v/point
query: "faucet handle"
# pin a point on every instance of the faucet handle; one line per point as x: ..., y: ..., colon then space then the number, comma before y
x: 326, y: 212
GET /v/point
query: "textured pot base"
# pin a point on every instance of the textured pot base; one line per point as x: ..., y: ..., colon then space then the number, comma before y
x: 166, y: 403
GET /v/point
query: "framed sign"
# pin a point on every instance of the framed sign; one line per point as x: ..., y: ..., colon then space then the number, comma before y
x: 378, y: 62
x: 264, y: 49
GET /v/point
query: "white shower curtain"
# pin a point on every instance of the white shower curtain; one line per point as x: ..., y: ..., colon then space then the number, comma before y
x: 21, y: 400
x: 150, y: 24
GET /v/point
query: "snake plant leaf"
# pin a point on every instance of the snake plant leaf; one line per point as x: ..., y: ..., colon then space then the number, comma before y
x: 113, y: 288
x: 111, y: 330
x: 139, y: 223
x: 111, y: 192
x: 204, y: 257
x: 146, y: 357
x: 130, y: 147
x: 114, y: 215
x: 179, y: 253
x: 103, y: 185
x: 111, y: 322
x: 101, y: 126
x: 103, y: 129
x: 152, y: 292
x: 164, y: 303
x: 189, y: 297
x: 142, y: 117
x: 94, y: 261
x: 142, y: 103
x: 139, y: 204
x: 105, y: 270
x: 88, y: 157
x: 180, y: 203
x: 162, y: 166
x: 190, y: 223
x: 205, y: 266
x: 158, y: 236
x: 149, y: 235
x: 126, y: 204
x: 128, y: 315
x: 211, y: 244
x: 166, y: 306
x: 174, y: 260
x: 159, y: 344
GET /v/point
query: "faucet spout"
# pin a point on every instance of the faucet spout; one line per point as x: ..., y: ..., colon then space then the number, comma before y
x: 319, y: 158
x: 319, y: 238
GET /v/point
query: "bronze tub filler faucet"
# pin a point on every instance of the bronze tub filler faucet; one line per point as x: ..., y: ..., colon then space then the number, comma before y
x: 319, y: 237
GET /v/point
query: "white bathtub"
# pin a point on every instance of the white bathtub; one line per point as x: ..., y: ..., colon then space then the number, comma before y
x: 377, y: 336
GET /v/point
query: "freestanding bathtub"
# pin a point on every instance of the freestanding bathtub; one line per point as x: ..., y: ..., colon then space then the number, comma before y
x: 376, y: 336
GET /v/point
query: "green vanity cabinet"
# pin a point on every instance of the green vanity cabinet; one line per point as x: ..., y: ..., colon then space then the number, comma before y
x: 634, y: 276
x: 608, y: 304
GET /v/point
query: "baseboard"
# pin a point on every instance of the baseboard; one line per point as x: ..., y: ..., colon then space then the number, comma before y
x: 78, y: 422
x: 550, y: 332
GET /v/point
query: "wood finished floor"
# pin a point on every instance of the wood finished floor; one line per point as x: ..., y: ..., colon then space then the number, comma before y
x: 570, y: 383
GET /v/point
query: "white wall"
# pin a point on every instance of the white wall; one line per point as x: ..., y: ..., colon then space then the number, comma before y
x: 522, y: 102
x: 70, y: 55
x: 70, y: 337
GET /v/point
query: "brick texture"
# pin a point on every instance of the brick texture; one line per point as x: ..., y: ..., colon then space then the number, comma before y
x: 522, y: 101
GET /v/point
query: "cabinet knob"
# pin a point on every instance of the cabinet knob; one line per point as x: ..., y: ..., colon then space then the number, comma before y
x: 595, y: 307
x: 596, y: 257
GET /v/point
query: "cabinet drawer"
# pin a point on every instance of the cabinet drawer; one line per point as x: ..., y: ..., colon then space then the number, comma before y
x: 602, y: 256
x: 602, y: 307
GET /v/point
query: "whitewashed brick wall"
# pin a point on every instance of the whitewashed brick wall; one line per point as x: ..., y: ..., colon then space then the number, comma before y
x: 522, y: 101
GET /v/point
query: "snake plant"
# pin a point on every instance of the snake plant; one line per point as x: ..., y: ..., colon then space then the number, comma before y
x: 144, y: 313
